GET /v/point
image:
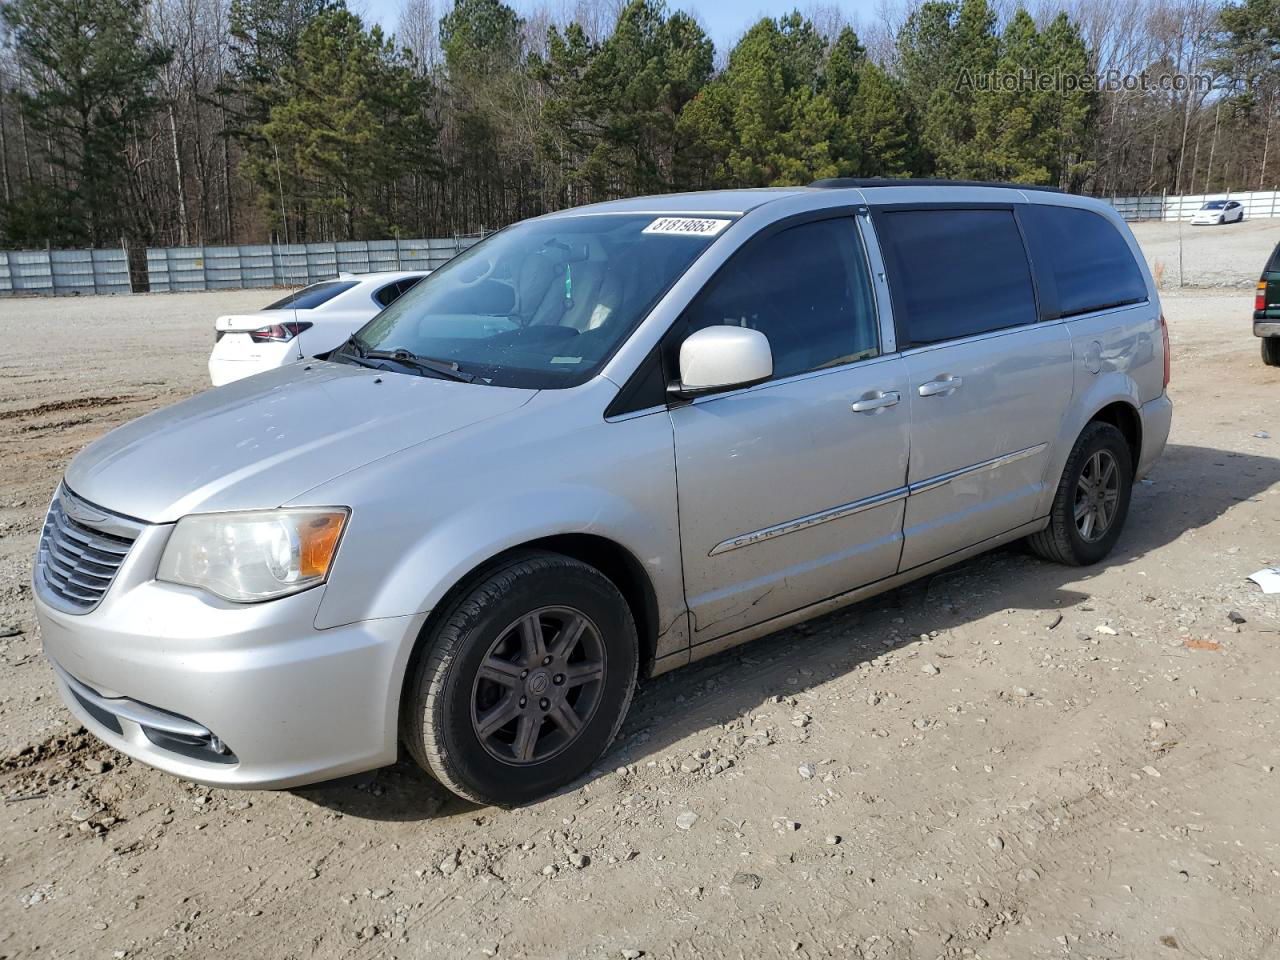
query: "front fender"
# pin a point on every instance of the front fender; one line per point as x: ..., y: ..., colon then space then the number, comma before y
x: 423, y: 519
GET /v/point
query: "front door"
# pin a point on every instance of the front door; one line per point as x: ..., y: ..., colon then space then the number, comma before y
x: 792, y: 491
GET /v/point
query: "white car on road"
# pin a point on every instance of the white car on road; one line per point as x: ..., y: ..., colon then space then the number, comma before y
x: 307, y: 322
x: 1218, y: 211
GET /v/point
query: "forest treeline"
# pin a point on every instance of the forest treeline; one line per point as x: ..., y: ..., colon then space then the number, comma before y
x: 222, y: 121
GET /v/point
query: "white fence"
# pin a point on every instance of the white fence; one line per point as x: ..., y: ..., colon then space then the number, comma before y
x: 70, y: 272
x: 1260, y: 204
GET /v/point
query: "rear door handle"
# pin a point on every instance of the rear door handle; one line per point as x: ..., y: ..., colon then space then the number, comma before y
x: 940, y: 387
x: 876, y: 401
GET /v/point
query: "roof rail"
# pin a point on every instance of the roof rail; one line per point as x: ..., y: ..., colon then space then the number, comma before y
x: 837, y: 183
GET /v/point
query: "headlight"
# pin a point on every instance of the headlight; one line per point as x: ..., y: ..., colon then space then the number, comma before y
x: 256, y: 555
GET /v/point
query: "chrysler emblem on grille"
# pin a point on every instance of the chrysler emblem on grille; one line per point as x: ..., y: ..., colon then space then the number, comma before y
x: 81, y: 512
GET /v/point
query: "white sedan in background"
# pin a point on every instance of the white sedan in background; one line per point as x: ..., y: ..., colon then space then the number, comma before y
x: 309, y: 321
x: 1218, y: 211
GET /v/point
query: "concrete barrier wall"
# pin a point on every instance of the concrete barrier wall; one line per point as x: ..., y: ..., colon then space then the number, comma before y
x: 63, y: 272
x: 1258, y: 205
x: 171, y: 269
x: 291, y: 265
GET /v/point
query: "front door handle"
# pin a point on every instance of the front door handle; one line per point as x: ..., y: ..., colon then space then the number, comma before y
x: 876, y: 401
x: 941, y: 387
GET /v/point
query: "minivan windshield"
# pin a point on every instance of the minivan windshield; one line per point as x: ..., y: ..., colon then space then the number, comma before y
x: 541, y: 304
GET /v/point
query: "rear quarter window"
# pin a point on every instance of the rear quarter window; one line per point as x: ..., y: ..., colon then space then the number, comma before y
x: 311, y: 297
x: 394, y: 291
x: 955, y: 273
x: 1083, y: 257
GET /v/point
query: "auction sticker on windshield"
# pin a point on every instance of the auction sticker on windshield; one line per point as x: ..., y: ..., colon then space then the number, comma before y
x: 687, y: 226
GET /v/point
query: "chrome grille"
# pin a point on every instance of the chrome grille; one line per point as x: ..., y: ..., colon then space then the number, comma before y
x: 81, y: 548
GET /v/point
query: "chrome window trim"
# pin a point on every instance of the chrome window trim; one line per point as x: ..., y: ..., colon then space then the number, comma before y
x: 1090, y: 314
x: 980, y: 337
x: 879, y: 281
x: 942, y: 479
x: 812, y: 520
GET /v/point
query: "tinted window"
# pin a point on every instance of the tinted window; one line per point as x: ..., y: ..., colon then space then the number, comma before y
x: 956, y: 273
x: 806, y: 289
x: 312, y: 296
x: 1085, y: 257
x: 1273, y: 265
x: 394, y: 291
x: 1215, y: 205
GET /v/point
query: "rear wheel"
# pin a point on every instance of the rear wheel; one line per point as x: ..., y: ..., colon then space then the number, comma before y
x: 524, y: 681
x: 1271, y: 351
x: 1092, y: 499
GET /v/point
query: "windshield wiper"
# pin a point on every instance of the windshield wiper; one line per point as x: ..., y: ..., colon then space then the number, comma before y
x: 444, y: 368
x: 355, y: 344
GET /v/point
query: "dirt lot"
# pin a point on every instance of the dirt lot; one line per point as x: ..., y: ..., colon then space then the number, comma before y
x: 1009, y: 760
x: 1225, y: 256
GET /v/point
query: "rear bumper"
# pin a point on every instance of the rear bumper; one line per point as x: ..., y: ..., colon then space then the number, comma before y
x: 1266, y: 328
x: 157, y: 672
x: 228, y: 371
x: 1157, y: 416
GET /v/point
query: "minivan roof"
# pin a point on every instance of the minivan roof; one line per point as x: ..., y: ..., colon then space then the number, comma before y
x: 837, y: 183
x: 737, y: 202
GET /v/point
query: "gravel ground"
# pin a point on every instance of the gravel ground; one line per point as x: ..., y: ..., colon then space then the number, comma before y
x: 1008, y: 760
x: 1227, y: 256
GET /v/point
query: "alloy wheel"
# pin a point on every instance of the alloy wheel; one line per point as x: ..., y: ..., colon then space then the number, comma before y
x: 1097, y: 496
x: 538, y: 686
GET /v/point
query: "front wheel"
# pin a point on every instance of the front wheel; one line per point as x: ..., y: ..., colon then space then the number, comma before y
x: 523, y: 682
x: 1092, y: 499
x: 1271, y: 351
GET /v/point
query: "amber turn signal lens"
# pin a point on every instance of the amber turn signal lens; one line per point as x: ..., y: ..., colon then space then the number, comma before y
x: 318, y: 536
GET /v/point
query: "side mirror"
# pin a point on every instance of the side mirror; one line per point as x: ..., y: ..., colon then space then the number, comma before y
x: 717, y: 358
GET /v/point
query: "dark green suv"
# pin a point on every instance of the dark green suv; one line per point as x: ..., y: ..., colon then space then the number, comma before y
x: 1266, y: 310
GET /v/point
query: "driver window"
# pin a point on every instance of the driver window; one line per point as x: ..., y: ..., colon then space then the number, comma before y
x: 807, y: 289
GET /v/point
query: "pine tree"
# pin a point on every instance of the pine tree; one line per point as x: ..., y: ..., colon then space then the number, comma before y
x: 89, y: 72
x: 350, y: 126
x: 763, y: 121
x: 879, y: 124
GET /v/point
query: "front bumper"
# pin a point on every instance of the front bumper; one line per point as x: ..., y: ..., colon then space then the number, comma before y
x: 288, y: 704
x: 1266, y: 328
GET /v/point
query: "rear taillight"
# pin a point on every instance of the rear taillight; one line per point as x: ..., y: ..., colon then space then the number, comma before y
x: 1164, y: 335
x: 1260, y: 298
x: 278, y: 332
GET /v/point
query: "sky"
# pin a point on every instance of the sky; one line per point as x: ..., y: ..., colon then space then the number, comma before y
x: 724, y: 20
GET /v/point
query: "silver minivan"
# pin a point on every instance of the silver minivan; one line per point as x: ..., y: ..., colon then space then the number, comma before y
x: 597, y: 446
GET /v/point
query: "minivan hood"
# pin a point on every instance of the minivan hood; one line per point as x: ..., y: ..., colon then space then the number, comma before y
x: 265, y: 440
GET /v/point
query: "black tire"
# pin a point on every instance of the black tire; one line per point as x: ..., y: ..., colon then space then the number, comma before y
x: 1271, y: 351
x: 1066, y: 540
x: 449, y: 702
